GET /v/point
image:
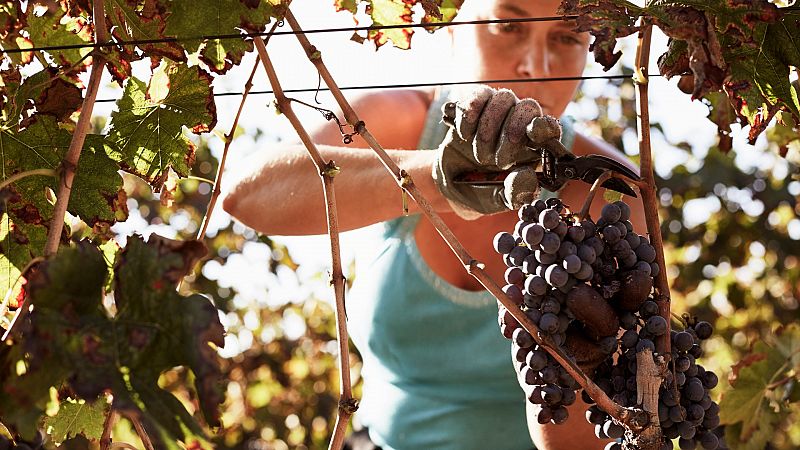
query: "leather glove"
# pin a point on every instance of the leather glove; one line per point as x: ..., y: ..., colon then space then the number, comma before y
x: 488, y: 132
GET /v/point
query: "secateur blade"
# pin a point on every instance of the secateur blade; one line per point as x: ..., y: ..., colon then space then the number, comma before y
x: 590, y: 168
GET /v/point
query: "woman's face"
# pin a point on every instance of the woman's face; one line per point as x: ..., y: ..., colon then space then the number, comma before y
x: 523, y: 50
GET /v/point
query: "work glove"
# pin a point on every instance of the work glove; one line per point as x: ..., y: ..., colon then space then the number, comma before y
x: 488, y: 133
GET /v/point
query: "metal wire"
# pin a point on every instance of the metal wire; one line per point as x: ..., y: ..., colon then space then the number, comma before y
x: 287, y: 32
x: 415, y: 85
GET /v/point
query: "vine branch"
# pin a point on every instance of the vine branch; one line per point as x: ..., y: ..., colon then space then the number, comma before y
x: 633, y: 418
x: 327, y: 171
x: 18, y: 176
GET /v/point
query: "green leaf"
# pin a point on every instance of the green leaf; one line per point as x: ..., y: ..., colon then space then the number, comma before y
x: 753, y: 397
x: 141, y: 20
x: 755, y: 439
x: 147, y: 128
x: 53, y: 28
x: 154, y: 329
x: 77, y: 417
x: 217, y: 17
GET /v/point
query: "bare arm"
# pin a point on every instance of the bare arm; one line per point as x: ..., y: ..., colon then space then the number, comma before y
x: 282, y: 193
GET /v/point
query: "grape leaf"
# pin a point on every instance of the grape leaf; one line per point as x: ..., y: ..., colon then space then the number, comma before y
x: 74, y: 418
x: 53, y: 28
x: 752, y: 396
x: 440, y: 10
x: 48, y: 91
x: 215, y: 17
x: 153, y: 330
x: 140, y: 20
x: 147, y: 128
x: 12, y: 21
x: 758, y: 438
x: 606, y: 21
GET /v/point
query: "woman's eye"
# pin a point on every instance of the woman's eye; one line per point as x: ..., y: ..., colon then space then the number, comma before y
x: 507, y: 28
x: 568, y: 39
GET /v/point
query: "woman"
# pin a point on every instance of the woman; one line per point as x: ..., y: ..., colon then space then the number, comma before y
x: 437, y: 372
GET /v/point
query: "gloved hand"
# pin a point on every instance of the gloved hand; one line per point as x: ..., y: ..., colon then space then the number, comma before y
x: 488, y: 133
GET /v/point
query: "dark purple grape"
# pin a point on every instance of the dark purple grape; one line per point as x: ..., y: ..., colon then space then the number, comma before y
x: 613, y: 430
x: 549, y: 374
x: 585, y: 273
x: 513, y: 292
x: 504, y: 242
x: 598, y: 432
x: 682, y: 341
x: 611, y: 234
x: 556, y: 276
x: 567, y: 248
x: 648, y: 309
x: 682, y: 363
x: 536, y: 285
x: 677, y: 413
x: 572, y: 264
x: 520, y: 354
x: 576, y: 234
x: 646, y: 252
x: 551, y: 394
x: 533, y: 313
x: 711, y: 421
x: 532, y: 234
x: 624, y: 209
x: 587, y: 253
x: 529, y: 264
x: 545, y: 258
x: 528, y: 213
x: 703, y: 330
x: 621, y: 249
x: 666, y: 444
x: 549, y: 323
x: 695, y: 412
x: 686, y: 429
x: 654, y: 269
x: 537, y: 359
x: 610, y: 213
x: 561, y: 230
x: 627, y: 320
x: 539, y: 204
x: 710, y: 380
x: 694, y: 390
x: 550, y: 305
x: 696, y: 351
x: 633, y: 240
x: 623, y: 230
x: 555, y: 203
x: 709, y: 441
x: 550, y: 243
x: 530, y: 376
x: 608, y: 344
x: 519, y: 226
x: 680, y: 378
x: 560, y: 415
x: 522, y: 338
x: 568, y: 396
x: 545, y: 414
x: 613, y: 446
x: 630, y: 260
x: 629, y: 339
x: 687, y: 444
x: 549, y: 218
x: 656, y: 325
x: 535, y: 396
x: 514, y: 275
x: 595, y: 415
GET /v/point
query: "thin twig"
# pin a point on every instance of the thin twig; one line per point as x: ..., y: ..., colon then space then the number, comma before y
x: 108, y: 426
x: 590, y: 198
x: 327, y: 171
x: 228, y: 139
x: 648, y: 191
x: 18, y: 176
x: 140, y: 431
x: 624, y: 415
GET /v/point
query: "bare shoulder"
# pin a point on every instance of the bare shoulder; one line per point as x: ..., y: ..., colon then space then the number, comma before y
x: 586, y: 145
x: 395, y: 117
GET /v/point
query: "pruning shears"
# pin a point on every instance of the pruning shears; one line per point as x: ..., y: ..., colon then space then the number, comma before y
x: 559, y: 165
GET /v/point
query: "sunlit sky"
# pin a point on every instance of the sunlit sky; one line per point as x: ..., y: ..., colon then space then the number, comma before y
x: 354, y: 64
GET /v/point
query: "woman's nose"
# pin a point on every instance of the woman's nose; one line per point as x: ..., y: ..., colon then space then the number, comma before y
x: 534, y: 63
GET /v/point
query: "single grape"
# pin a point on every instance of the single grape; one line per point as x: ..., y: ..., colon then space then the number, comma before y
x: 686, y: 429
x: 687, y: 444
x: 536, y: 285
x: 535, y: 396
x: 587, y: 253
x: 613, y: 430
x: 549, y: 374
x: 630, y: 338
x: 576, y: 234
x: 654, y: 269
x: 518, y: 228
x: 550, y: 243
x: 513, y: 292
x: 549, y: 323
x: 696, y: 351
x: 645, y: 344
x: 656, y: 325
x: 633, y: 240
x: 529, y: 264
x: 532, y: 234
x: 624, y: 209
x: 610, y: 213
x: 680, y: 378
x: 550, y: 305
x: 630, y: 260
x: 695, y: 412
x: 683, y: 341
x: 533, y: 313
x: 611, y: 234
x: 568, y: 396
x: 711, y: 421
x: 703, y: 330
x: 549, y: 218
x: 504, y: 242
x: 539, y: 204
x: 517, y: 255
x: 514, y: 275
x: 694, y: 390
x: 522, y: 338
x: 537, y: 359
x: 595, y: 415
x: 621, y: 249
x: 608, y: 344
x: 585, y: 273
x: 627, y: 320
x: 555, y: 203
x: 613, y: 446
x: 530, y: 376
x: 528, y: 213
x: 560, y: 415
x: 623, y: 229
x: 648, y: 309
x: 710, y: 380
x: 677, y: 413
x: 556, y: 276
x: 646, y: 252
x: 561, y: 230
x: 545, y: 415
x: 709, y: 441
x: 572, y: 264
x: 551, y: 394
x: 682, y: 363
x: 567, y: 248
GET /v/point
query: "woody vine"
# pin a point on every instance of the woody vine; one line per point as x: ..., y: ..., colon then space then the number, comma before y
x: 66, y: 328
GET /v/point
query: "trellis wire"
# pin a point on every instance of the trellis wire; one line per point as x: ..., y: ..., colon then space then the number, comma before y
x: 171, y: 40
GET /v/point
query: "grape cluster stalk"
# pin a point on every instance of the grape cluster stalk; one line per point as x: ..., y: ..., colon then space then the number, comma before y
x: 589, y: 287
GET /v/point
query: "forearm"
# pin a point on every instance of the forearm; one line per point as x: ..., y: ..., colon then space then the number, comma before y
x: 282, y: 194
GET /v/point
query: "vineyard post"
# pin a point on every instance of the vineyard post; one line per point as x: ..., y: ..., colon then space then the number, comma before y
x: 327, y: 171
x: 634, y: 419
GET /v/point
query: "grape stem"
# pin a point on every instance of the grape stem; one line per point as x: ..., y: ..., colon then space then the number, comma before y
x: 327, y: 171
x: 650, y: 372
x: 635, y: 419
x: 133, y: 417
x: 18, y: 176
x: 590, y: 198
x: 108, y: 425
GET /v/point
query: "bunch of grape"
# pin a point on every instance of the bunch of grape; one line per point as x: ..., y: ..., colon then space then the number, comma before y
x: 8, y: 444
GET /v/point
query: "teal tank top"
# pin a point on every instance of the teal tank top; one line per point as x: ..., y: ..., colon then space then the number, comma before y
x: 437, y: 372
